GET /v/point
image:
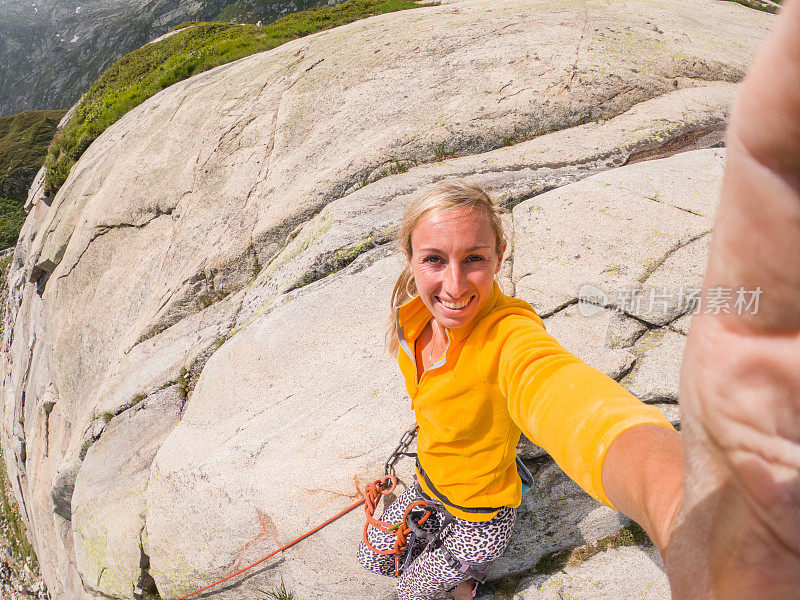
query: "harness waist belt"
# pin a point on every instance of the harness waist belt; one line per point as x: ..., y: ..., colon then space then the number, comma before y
x: 444, y: 500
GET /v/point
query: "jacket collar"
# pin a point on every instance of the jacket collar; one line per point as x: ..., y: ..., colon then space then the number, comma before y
x: 413, y: 316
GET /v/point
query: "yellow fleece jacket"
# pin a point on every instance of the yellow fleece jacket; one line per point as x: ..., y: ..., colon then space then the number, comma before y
x: 503, y: 374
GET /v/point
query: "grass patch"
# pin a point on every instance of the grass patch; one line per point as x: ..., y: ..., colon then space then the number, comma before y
x: 441, y: 151
x: 183, y: 383
x: 153, y: 67
x: 397, y: 167
x: 630, y: 535
x: 12, y: 217
x: 12, y: 523
x: 24, y: 138
x: 280, y: 593
x: 4, y: 264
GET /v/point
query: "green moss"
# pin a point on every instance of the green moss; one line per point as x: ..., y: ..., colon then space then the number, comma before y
x: 85, y: 447
x: 758, y: 5
x: 15, y: 531
x: 322, y: 225
x: 153, y: 67
x: 630, y: 535
x: 152, y: 333
x: 205, y: 300
x: 348, y: 255
x: 506, y: 587
x: 343, y: 257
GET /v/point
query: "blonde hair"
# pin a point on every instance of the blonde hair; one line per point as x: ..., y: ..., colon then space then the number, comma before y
x: 445, y: 195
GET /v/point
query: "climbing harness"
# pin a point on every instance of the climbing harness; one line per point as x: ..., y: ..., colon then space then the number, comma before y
x: 435, y: 540
x: 524, y: 474
x: 409, y: 529
x: 406, y: 531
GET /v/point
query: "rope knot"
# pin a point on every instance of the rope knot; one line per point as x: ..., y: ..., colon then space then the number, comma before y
x: 373, y: 492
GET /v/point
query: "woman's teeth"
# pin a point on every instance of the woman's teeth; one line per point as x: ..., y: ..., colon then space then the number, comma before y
x: 455, y: 305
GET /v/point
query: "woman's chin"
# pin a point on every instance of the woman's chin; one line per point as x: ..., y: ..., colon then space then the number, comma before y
x: 453, y: 319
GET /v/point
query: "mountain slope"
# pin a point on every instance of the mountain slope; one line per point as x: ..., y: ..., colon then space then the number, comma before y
x: 53, y: 50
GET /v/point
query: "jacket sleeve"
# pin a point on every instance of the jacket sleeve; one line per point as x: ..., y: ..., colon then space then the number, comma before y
x: 570, y: 409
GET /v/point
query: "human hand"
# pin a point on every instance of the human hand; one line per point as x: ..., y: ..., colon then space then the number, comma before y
x: 737, y: 535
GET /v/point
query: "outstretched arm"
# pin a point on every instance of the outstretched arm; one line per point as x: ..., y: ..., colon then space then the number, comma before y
x: 643, y: 478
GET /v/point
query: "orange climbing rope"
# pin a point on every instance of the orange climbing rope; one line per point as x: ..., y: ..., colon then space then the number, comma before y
x: 372, y: 495
x: 374, y: 491
x: 281, y: 549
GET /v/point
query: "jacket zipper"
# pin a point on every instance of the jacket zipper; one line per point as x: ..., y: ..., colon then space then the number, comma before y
x: 419, y: 378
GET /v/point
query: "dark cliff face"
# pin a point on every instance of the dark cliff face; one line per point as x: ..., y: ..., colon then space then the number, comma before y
x: 52, y: 50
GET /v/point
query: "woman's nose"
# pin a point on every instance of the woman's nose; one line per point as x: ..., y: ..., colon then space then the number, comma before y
x: 455, y: 282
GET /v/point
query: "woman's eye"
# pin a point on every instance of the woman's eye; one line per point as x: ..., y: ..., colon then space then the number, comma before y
x: 475, y: 258
x: 431, y: 259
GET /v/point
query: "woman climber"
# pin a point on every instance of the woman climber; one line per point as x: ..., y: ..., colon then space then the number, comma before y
x: 721, y: 501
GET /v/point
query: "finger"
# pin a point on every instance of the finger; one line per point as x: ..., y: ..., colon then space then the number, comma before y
x: 756, y: 241
x: 767, y: 112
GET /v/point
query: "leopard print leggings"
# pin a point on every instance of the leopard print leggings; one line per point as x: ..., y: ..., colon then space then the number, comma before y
x: 430, y: 574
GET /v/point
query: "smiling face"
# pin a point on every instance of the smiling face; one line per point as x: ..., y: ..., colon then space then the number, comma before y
x: 454, y: 260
